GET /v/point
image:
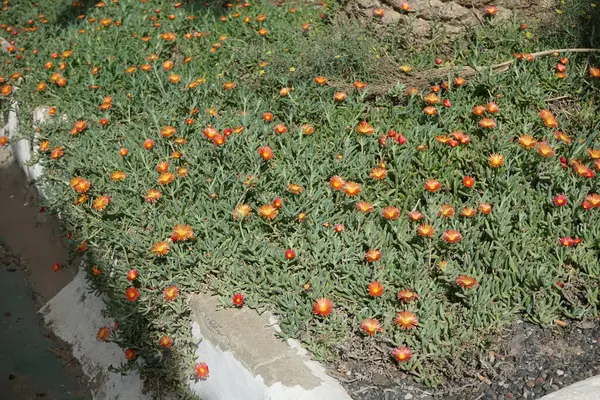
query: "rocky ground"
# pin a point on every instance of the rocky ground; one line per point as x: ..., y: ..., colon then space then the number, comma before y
x: 530, y: 363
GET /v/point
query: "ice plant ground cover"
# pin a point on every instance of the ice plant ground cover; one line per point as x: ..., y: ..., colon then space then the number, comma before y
x: 208, y: 147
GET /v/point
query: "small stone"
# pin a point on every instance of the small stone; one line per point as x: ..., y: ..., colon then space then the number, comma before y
x: 537, y: 389
x: 547, y: 387
x: 501, y: 397
x: 560, y: 372
x: 530, y: 383
x: 555, y: 387
x: 408, y: 396
x: 510, y: 396
x: 11, y: 377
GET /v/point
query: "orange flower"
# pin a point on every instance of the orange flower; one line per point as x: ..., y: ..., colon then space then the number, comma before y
x: 371, y: 326
x: 487, y: 123
x: 148, y: 144
x: 162, y: 166
x: 407, y: 296
x: 432, y: 99
x: 278, y: 202
x: 4, y: 141
x: 322, y: 307
x: 452, y: 236
x: 165, y: 342
x: 390, y: 213
x: 118, y: 176
x: 263, y: 31
x: 152, y: 195
x: 170, y: 293
x: 132, y: 294
x: 460, y: 81
x: 210, y: 133
x: 468, y: 212
x: 100, y: 203
x: 280, y: 129
x: 57, y: 153
x: 81, y: 199
x: 430, y: 110
x: 336, y: 182
x: 446, y: 210
x: 527, y: 141
x: 182, y: 232
x: 284, y: 92
x: 376, y: 289
x: 80, y: 185
x: 201, y: 370
x: 123, y: 152
x: 425, y: 230
x: 492, y: 107
x: 548, y: 119
x: 351, y: 189
x: 167, y: 65
x: 478, y: 110
x: 132, y: 275
x: 373, y: 255
x: 167, y: 131
x: 595, y: 72
x: 402, y: 354
x: 339, y: 96
x: 339, y: 228
x: 466, y: 281
x: 378, y: 173
x: 103, y: 334
x: 359, y: 85
x: 415, y: 215
x: 432, y: 185
x: 160, y: 249
x: 365, y: 128
x: 485, y: 208
x: 320, y: 80
x: 307, y: 129
x: 545, y: 150
x: 265, y: 152
x: 267, y: 117
x: 364, y: 207
x: 229, y: 85
x: 378, y: 12
x: 6, y: 90
x: 241, y: 212
x: 268, y: 211
x: 165, y: 178
x: 496, y: 160
x: 406, y: 320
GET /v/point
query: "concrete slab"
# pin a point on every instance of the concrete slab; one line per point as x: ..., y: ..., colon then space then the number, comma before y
x: 248, y: 361
x: 588, y: 389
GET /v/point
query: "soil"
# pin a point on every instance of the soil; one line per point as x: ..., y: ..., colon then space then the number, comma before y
x: 529, y: 363
x: 33, y: 362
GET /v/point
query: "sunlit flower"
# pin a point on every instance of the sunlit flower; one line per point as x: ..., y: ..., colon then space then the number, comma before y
x: 466, y: 281
x: 241, y: 212
x: 170, y: 293
x: 101, y: 202
x: 268, y: 211
x: 425, y: 230
x: 322, y: 307
x: 378, y: 173
x: 160, y: 248
x: 390, y: 213
x: 432, y: 185
x: 376, y: 289
x: 364, y: 207
x: 452, y: 236
x: 415, y: 215
x: 103, y: 334
x: 406, y: 320
x: 294, y: 188
x: 181, y: 233
x: 527, y: 141
x: 201, y: 370
x: 496, y: 160
x: 365, y: 128
x: 373, y: 255
x: 371, y: 326
x: 402, y: 354
x: 132, y: 294
x: 351, y: 189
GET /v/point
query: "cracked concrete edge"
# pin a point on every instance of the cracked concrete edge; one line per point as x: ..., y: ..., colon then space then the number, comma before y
x: 248, y: 361
x: 588, y: 389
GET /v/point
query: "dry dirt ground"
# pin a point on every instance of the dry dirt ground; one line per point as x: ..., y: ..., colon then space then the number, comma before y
x: 33, y: 363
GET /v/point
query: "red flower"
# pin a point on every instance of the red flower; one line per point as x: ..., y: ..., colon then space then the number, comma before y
x: 103, y: 334
x: 323, y: 307
x: 265, y: 152
x: 132, y: 294
x: 567, y: 241
x: 415, y: 215
x: 132, y: 275
x: 290, y: 254
x: 278, y: 202
x: 201, y: 370
x: 56, y: 267
x: 560, y: 200
x: 238, y: 299
x: 402, y: 354
x: 468, y: 181
x: 130, y: 354
x: 165, y: 342
x: 376, y: 289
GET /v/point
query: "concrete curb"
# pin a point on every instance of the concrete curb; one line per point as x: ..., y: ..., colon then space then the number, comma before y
x: 588, y: 389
